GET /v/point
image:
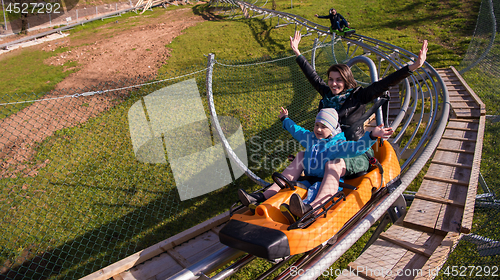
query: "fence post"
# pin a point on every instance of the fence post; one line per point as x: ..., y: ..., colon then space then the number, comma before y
x: 4, y: 18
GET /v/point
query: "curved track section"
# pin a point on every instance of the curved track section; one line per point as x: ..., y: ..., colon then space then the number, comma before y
x: 422, y: 119
x: 418, y: 112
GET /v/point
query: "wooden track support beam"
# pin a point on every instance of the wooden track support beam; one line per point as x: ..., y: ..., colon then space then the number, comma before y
x: 159, y: 248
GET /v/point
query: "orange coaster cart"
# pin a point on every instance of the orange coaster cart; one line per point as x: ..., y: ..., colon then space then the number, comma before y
x: 268, y: 234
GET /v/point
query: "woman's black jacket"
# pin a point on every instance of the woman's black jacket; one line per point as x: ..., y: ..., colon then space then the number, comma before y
x: 354, y: 107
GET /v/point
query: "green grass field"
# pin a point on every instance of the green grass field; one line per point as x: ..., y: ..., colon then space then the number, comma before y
x: 92, y: 192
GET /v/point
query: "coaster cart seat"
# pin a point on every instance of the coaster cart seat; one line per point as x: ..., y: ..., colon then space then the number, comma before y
x: 266, y: 232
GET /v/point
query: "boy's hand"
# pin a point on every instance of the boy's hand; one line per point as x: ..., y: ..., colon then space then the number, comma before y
x: 381, y: 131
x: 283, y: 113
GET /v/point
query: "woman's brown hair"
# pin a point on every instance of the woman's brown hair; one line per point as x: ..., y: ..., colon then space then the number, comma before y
x: 345, y: 73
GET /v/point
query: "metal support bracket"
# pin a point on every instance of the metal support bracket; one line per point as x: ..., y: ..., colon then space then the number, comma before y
x: 397, y: 210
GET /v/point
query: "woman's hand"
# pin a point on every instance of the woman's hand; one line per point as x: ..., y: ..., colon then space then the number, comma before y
x: 381, y: 131
x: 422, y: 55
x: 294, y: 43
x: 283, y: 113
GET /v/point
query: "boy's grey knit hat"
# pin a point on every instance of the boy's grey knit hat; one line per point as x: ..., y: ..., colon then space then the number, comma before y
x: 330, y: 118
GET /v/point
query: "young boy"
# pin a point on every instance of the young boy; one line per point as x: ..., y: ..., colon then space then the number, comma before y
x: 326, y: 143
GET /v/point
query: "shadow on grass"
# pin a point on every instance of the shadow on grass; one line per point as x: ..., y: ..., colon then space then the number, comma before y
x: 118, y: 239
x: 157, y: 220
x: 206, y: 12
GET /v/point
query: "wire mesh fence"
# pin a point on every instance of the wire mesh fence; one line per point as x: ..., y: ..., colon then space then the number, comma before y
x: 75, y: 194
x: 74, y: 197
x: 477, y: 256
x: 480, y: 66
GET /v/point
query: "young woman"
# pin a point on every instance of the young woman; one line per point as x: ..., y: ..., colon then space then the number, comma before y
x: 341, y: 93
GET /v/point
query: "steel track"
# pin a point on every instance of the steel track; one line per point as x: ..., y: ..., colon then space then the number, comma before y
x: 421, y: 85
x: 424, y: 84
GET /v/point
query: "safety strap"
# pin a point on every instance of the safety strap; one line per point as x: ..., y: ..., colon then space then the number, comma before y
x: 385, y: 111
x: 382, y: 101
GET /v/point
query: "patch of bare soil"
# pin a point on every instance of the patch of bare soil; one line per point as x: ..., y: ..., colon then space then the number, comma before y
x: 107, y: 58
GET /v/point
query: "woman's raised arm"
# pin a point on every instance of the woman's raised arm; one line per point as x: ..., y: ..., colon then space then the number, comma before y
x: 422, y: 55
x: 294, y: 43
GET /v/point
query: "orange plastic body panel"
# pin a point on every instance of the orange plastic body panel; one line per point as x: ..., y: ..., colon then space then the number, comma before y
x: 267, y: 214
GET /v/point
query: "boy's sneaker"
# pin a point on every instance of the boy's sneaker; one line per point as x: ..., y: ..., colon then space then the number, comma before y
x: 285, y: 210
x: 252, y: 208
x: 298, y: 207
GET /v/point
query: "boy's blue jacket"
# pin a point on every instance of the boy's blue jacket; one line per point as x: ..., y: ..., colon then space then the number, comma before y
x: 319, y: 152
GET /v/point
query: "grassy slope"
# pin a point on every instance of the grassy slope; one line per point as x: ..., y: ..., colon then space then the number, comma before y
x: 403, y: 23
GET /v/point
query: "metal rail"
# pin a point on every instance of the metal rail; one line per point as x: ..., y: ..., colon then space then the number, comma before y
x: 430, y: 120
x: 416, y: 88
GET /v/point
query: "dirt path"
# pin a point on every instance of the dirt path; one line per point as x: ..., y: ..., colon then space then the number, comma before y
x: 112, y: 56
x: 109, y: 56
